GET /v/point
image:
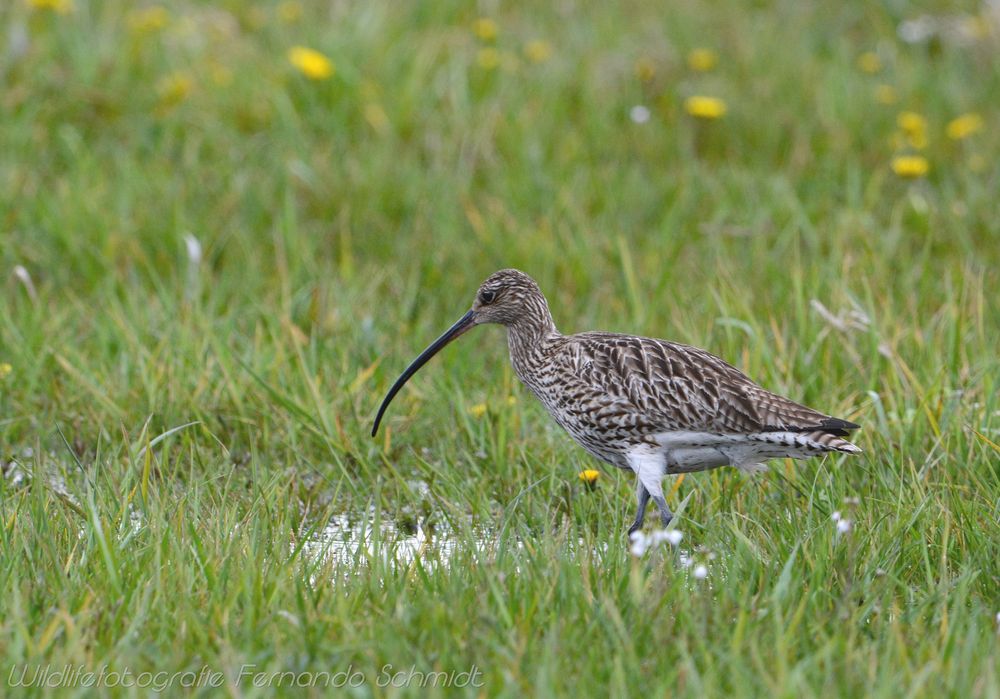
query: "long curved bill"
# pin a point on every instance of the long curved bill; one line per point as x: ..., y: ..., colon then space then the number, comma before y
x: 464, y: 323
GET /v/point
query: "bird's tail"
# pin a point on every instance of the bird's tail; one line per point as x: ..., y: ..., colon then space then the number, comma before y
x: 832, y: 442
x: 816, y: 442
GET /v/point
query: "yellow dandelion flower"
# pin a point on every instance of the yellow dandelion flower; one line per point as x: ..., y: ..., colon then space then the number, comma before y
x: 869, y: 62
x: 538, y: 51
x: 964, y: 126
x: 290, y: 11
x: 60, y: 7
x: 910, y: 166
x: 5, y: 370
x: 645, y: 69
x: 478, y: 410
x: 174, y: 89
x: 589, y: 477
x: 311, y: 63
x: 488, y: 58
x: 911, y: 122
x: 148, y: 19
x: 376, y: 117
x: 914, y: 127
x: 485, y: 28
x: 703, y: 107
x: 886, y: 94
x: 702, y: 60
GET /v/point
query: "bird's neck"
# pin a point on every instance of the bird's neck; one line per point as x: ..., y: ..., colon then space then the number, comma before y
x: 528, y: 336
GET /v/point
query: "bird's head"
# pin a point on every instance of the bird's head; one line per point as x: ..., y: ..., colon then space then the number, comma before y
x: 508, y: 297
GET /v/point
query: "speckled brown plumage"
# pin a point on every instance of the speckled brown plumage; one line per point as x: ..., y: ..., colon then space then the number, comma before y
x: 651, y: 406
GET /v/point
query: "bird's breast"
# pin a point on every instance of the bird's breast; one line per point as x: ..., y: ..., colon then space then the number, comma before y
x: 605, y: 437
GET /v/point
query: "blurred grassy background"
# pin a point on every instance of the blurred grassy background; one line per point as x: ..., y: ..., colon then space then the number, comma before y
x: 195, y: 228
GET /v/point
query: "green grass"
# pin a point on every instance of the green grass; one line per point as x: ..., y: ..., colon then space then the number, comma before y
x: 346, y: 222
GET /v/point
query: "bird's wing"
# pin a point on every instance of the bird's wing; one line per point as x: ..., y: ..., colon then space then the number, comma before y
x: 663, y: 386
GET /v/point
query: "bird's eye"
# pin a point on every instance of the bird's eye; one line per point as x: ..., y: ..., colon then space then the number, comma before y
x: 487, y: 296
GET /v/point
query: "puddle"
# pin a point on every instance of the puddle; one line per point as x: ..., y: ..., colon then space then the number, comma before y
x: 345, y: 545
x: 344, y: 542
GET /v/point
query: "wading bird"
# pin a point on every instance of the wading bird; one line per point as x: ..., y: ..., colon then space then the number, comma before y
x: 650, y: 406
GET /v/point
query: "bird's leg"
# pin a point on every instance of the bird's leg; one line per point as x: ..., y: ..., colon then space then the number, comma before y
x: 665, y: 514
x: 650, y: 466
x: 642, y: 495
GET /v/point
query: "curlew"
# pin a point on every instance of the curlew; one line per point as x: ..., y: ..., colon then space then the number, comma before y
x: 649, y: 406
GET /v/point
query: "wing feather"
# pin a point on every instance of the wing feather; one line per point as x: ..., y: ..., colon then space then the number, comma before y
x: 663, y: 386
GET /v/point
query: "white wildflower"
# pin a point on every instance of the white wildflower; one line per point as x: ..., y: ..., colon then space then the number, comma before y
x: 915, y: 31
x: 639, y: 114
x: 835, y: 516
x: 700, y: 572
x: 843, y: 526
x: 671, y: 536
x: 640, y: 542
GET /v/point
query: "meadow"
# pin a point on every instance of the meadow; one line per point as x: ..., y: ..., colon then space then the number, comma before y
x: 226, y: 227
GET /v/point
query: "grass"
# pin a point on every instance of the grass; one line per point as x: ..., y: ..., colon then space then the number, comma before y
x: 183, y: 428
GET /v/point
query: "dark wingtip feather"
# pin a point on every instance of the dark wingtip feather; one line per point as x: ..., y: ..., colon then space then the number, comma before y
x: 835, y: 425
x: 829, y: 425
